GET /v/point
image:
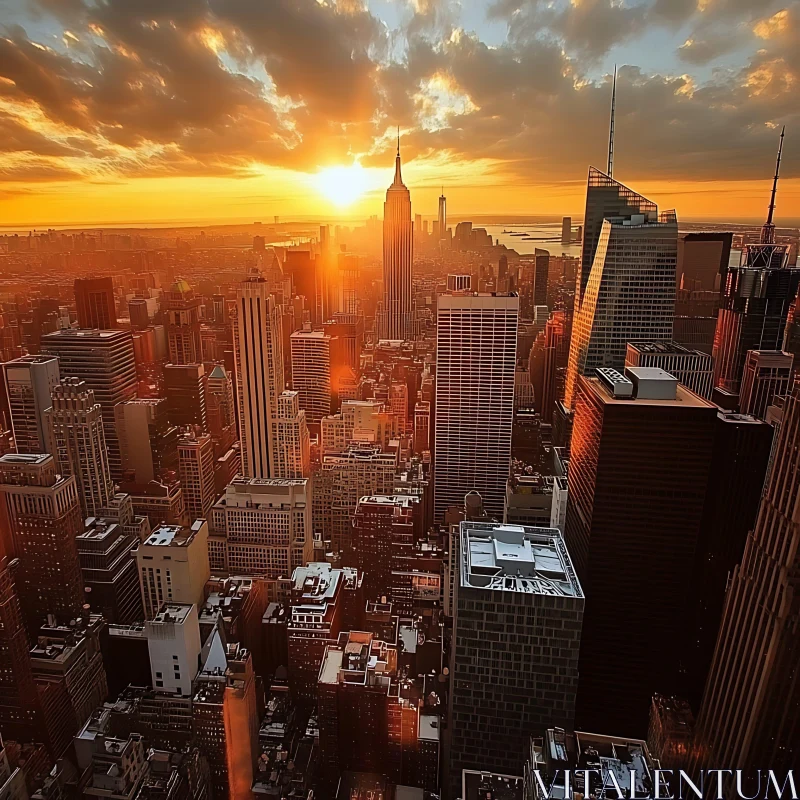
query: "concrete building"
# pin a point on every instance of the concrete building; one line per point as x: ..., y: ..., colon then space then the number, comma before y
x: 29, y: 383
x: 513, y: 581
x: 108, y: 567
x: 77, y: 441
x: 196, y: 470
x: 262, y: 527
x: 147, y: 440
x: 173, y: 566
x: 311, y: 371
x: 530, y: 500
x: 258, y: 351
x: 173, y: 642
x: 104, y: 360
x: 182, y: 307
x: 366, y: 421
x: 44, y: 517
x: 694, y: 369
x: 343, y: 480
x: 292, y: 442
x: 476, y: 348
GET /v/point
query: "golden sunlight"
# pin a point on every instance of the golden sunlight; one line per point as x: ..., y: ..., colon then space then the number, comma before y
x: 343, y: 186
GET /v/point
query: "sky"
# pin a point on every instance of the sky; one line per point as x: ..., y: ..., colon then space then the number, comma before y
x: 173, y: 111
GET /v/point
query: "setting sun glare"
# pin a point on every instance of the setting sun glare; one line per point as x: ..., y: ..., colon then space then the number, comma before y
x: 343, y: 186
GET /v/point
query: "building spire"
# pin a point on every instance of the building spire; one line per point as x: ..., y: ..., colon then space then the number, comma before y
x: 768, y: 231
x: 610, y: 171
x: 398, y: 178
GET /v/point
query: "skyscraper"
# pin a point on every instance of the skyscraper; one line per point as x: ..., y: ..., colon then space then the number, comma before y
x: 476, y: 350
x: 767, y: 374
x: 629, y: 293
x: 196, y: 469
x: 638, y: 474
x: 259, y: 373
x: 750, y: 716
x: 311, y: 372
x: 183, y: 324
x: 45, y: 517
x: 29, y: 382
x: 185, y: 392
x: 396, y: 319
x: 442, y: 219
x: 695, y: 370
x: 755, y: 299
x: 702, y: 259
x: 104, y: 360
x: 94, y: 300
x: 293, y: 445
x: 516, y: 635
x: 77, y: 442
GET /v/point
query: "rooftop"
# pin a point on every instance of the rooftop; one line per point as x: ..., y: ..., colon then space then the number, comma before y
x: 516, y: 558
x: 173, y: 535
x: 172, y: 612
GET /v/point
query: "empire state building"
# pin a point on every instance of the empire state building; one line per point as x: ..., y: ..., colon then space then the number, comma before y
x: 396, y: 319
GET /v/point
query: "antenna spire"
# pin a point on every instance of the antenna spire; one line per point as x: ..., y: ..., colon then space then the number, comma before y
x: 768, y: 231
x: 398, y: 141
x: 610, y: 170
x: 398, y: 179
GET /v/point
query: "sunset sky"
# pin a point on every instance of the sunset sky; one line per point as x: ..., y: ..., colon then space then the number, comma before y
x: 154, y: 111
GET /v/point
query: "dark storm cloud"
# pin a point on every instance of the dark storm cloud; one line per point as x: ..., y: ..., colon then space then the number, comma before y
x: 187, y: 87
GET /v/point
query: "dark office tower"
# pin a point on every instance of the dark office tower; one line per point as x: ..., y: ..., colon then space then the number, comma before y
x: 605, y: 198
x: 640, y: 456
x: 702, y: 258
x: 220, y: 409
x: 541, y: 271
x: 94, y: 298
x: 104, y: 361
x: 109, y: 572
x: 183, y: 324
x: 516, y: 636
x: 755, y: 299
x: 78, y: 444
x: 791, y: 336
x: 138, y: 313
x: 741, y: 452
x: 631, y: 294
x: 395, y: 321
x: 196, y: 468
x: 442, y: 219
x: 302, y: 267
x: 349, y: 330
x: 385, y: 531
x: 148, y: 442
x: 476, y: 351
x: 750, y: 715
x: 184, y: 388
x: 19, y: 699
x: 45, y: 517
x: 767, y: 374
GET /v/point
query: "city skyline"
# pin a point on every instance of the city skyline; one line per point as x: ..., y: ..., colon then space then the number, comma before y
x: 305, y: 99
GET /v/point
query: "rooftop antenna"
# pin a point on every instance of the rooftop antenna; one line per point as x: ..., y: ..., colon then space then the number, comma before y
x: 768, y: 231
x: 398, y: 141
x: 610, y: 170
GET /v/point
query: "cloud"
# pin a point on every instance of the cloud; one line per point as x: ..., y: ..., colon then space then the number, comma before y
x: 226, y: 87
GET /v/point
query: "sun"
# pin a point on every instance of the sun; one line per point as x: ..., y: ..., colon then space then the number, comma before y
x: 342, y: 185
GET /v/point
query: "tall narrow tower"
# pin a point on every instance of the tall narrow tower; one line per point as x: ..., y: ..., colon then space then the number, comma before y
x: 258, y: 354
x: 442, y: 215
x: 395, y: 321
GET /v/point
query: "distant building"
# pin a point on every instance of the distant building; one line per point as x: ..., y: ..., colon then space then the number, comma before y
x: 196, y: 469
x: 148, y: 442
x: 311, y: 371
x: 185, y: 392
x: 29, y: 382
x: 173, y: 566
x: 511, y: 580
x: 293, y: 445
x: 95, y: 303
x: 104, y: 360
x: 183, y: 324
x: 702, y: 259
x: 44, y: 516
